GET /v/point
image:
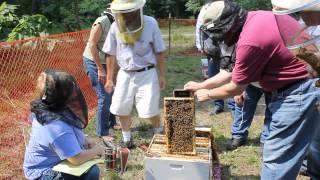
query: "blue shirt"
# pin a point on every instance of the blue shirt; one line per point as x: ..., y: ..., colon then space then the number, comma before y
x: 50, y: 144
x: 142, y: 53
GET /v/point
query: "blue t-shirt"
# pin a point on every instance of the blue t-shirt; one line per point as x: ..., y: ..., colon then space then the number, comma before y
x: 50, y: 144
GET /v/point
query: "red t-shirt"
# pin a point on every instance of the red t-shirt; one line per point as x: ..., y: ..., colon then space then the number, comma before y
x: 262, y: 56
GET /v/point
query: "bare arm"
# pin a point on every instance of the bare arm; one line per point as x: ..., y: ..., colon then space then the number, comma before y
x: 94, y: 37
x: 162, y: 69
x: 223, y: 77
x: 86, y: 155
x: 227, y: 90
x: 111, y: 60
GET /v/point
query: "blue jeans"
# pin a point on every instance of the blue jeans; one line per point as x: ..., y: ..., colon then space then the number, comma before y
x: 313, y: 157
x: 92, y: 174
x: 243, y: 116
x: 213, y: 69
x: 293, y: 118
x: 104, y: 119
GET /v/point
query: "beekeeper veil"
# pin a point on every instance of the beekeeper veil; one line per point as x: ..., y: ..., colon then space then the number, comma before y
x: 129, y: 18
x: 304, y: 12
x: 303, y: 36
x: 223, y: 21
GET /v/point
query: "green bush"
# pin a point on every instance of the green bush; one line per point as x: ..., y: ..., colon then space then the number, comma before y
x: 8, y: 19
x: 30, y: 26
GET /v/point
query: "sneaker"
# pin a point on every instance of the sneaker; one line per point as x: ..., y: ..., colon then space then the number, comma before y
x: 304, y: 168
x: 128, y: 144
x: 303, y: 172
x: 235, y: 143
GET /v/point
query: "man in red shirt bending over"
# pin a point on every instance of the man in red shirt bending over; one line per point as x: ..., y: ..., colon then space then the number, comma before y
x: 261, y: 56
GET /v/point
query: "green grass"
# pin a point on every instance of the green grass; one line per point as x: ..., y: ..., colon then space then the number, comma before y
x: 181, y: 36
x: 179, y: 71
x: 91, y: 128
x: 178, y: 29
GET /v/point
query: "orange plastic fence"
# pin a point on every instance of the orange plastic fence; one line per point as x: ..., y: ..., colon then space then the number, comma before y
x: 20, y: 64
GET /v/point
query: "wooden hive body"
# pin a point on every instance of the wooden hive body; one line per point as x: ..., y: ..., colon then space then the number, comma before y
x: 179, y: 118
x: 159, y: 164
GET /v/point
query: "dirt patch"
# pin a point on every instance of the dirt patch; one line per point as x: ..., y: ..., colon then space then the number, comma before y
x: 192, y: 51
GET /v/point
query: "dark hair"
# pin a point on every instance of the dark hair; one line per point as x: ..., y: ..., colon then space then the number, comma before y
x: 61, y: 99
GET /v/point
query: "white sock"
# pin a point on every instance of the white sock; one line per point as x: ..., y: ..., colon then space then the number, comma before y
x: 158, y: 130
x: 126, y: 136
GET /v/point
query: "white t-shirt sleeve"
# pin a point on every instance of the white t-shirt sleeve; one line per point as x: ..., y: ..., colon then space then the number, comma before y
x: 110, y: 45
x: 158, y: 43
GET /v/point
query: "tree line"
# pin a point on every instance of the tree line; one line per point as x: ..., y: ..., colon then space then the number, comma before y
x: 20, y: 19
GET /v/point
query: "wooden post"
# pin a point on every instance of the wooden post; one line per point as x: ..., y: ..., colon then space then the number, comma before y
x: 169, y: 34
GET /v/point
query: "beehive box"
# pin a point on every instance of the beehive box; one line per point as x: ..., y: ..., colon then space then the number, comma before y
x: 159, y: 165
x: 179, y: 118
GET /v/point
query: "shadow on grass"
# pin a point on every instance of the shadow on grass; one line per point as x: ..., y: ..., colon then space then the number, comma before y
x: 222, y: 142
x: 226, y: 175
x: 112, y: 175
x: 227, y: 169
x: 254, y: 142
x: 143, y: 133
x: 135, y: 167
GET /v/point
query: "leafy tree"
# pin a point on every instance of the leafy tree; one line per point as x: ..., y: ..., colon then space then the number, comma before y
x: 76, y: 13
x: 16, y: 28
x: 30, y: 26
x: 178, y: 9
x: 73, y: 15
x: 60, y: 12
x: 89, y: 10
x: 162, y: 8
x: 8, y: 19
x: 194, y: 6
x: 255, y: 5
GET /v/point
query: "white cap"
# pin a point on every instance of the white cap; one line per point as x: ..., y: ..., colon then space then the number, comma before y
x: 281, y: 7
x: 212, y: 11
